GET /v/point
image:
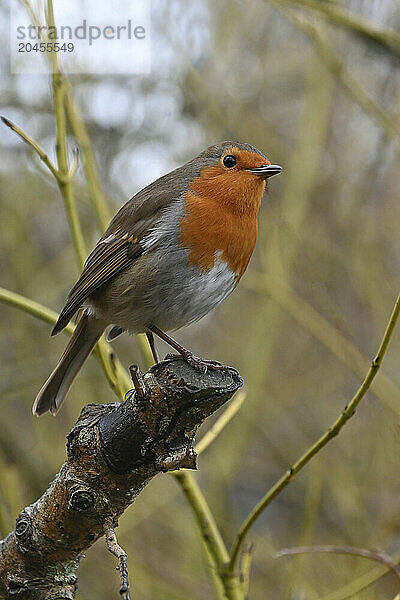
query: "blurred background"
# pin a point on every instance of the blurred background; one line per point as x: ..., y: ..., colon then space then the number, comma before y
x: 301, y: 328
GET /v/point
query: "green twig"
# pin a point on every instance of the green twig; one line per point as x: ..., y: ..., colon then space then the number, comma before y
x: 205, y: 520
x: 145, y: 351
x: 50, y: 316
x: 245, y: 566
x: 346, y: 414
x: 31, y: 307
x: 210, y: 534
x: 217, y: 581
x: 61, y: 150
x: 28, y: 140
x: 89, y: 162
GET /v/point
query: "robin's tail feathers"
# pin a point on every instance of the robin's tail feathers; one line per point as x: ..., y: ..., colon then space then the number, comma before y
x: 62, y: 321
x: 87, y: 332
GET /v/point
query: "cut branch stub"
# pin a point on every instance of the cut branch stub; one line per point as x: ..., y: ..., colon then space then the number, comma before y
x: 163, y: 422
x: 113, y: 451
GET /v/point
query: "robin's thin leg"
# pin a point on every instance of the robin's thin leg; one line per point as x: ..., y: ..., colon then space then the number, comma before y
x: 198, y: 363
x: 150, y: 338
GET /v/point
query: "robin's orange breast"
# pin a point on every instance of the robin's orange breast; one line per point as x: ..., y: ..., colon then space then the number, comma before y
x: 220, y: 218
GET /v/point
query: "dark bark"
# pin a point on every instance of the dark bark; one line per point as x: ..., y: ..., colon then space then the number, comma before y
x: 112, y: 453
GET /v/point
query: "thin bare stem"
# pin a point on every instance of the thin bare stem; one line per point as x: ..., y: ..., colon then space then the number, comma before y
x: 31, y: 307
x: 89, y: 162
x: 333, y: 431
x: 34, y: 145
x: 245, y: 566
x: 43, y: 313
x: 210, y: 534
x: 61, y: 150
x: 81, y: 134
x: 115, y: 548
x: 209, y: 531
x: 377, y: 555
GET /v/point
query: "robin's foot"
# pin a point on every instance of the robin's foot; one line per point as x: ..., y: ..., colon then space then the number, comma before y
x: 200, y: 364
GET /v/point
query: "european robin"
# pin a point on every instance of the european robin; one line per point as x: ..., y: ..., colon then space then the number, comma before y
x: 169, y: 256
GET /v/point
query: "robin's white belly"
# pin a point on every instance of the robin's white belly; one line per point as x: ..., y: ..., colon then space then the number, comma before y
x: 183, y: 294
x: 167, y: 292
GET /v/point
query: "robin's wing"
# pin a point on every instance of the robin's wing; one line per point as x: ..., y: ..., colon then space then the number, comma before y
x: 121, y: 243
x: 110, y: 256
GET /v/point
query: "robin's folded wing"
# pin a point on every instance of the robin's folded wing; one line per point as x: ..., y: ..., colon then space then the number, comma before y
x: 109, y: 257
x: 120, y: 244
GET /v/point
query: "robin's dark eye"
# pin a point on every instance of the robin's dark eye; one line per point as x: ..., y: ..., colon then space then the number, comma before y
x: 229, y: 161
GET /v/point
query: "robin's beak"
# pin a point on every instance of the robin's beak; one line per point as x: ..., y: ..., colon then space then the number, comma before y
x: 266, y: 171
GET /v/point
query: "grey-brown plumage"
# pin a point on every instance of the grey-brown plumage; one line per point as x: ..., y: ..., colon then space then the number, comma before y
x: 140, y: 275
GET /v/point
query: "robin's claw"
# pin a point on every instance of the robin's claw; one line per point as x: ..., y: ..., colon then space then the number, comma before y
x: 192, y: 360
x: 197, y: 363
